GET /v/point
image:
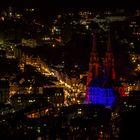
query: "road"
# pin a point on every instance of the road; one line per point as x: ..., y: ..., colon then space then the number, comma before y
x: 73, y: 89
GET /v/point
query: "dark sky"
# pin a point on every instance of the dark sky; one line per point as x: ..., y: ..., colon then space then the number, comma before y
x: 102, y: 3
x: 60, y: 5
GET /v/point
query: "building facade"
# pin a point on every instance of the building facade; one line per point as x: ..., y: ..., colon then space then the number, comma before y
x: 102, y: 84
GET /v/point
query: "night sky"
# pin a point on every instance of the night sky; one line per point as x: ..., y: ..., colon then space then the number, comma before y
x: 48, y: 7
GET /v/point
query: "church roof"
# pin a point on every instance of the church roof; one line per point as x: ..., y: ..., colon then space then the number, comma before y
x: 104, y: 83
x: 96, y: 82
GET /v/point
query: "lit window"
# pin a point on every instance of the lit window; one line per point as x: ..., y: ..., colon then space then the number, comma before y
x: 19, y: 101
x: 124, y: 102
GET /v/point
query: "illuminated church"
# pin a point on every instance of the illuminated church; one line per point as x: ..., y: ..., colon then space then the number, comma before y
x: 102, y: 85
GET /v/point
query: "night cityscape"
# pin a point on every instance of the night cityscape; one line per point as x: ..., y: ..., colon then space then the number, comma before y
x: 69, y: 70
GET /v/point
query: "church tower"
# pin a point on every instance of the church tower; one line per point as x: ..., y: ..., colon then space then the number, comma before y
x: 94, y: 62
x: 109, y: 64
x: 103, y: 88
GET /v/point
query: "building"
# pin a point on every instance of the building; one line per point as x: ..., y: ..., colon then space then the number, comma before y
x: 29, y: 43
x: 4, y: 91
x: 102, y: 84
x: 131, y: 102
x: 55, y: 96
x: 86, y: 121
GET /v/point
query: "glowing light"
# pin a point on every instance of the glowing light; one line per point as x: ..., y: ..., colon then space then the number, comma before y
x: 87, y: 27
x: 103, y: 96
x: 53, y: 45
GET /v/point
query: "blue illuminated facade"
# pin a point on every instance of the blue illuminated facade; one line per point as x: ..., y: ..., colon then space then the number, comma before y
x: 101, y: 79
x: 98, y: 95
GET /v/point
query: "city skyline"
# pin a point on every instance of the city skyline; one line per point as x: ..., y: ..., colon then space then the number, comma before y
x: 69, y: 70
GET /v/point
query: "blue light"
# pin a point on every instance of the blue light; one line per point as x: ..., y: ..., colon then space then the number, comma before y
x: 105, y: 96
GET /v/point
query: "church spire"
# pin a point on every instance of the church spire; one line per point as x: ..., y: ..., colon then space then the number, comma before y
x: 109, y: 60
x: 94, y: 47
x: 94, y: 54
x: 94, y: 62
x: 109, y: 42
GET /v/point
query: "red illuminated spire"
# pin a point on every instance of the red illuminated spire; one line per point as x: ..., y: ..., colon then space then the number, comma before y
x: 94, y: 47
x: 109, y: 61
x: 109, y: 43
x: 94, y: 62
